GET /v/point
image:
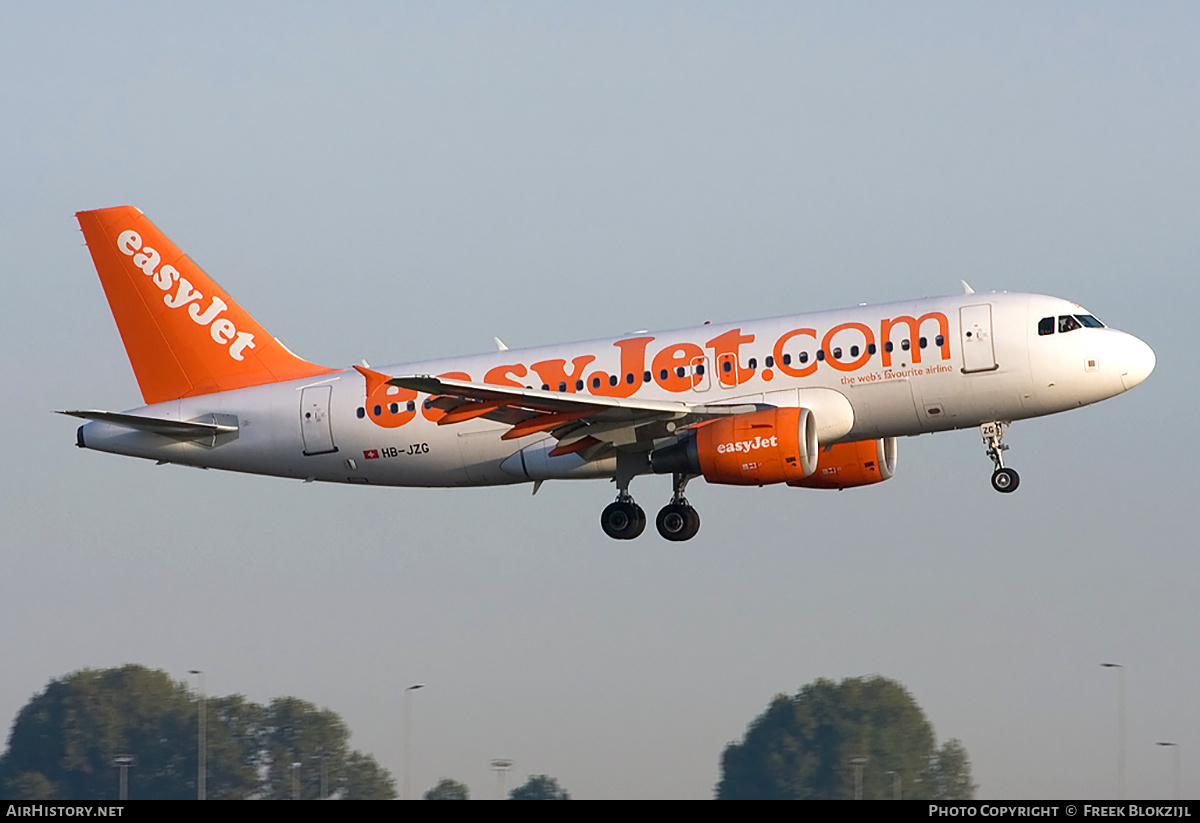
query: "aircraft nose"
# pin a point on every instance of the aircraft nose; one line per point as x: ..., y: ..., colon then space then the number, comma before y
x: 1138, y: 360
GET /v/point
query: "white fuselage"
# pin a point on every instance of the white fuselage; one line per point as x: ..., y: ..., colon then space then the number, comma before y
x: 866, y: 372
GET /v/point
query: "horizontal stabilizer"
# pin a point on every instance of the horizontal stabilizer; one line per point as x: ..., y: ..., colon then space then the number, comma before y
x: 187, y: 430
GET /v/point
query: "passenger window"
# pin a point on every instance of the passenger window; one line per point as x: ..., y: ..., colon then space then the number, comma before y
x: 820, y: 354
x: 727, y: 367
x: 629, y: 378
x: 922, y: 342
x: 662, y: 374
x: 412, y: 406
x: 940, y: 340
x: 803, y: 357
x: 888, y: 346
x: 904, y: 344
x: 699, y: 368
x: 562, y: 386
x: 770, y: 362
x: 646, y: 377
x: 787, y: 358
x: 837, y: 353
x: 578, y: 385
x: 595, y: 382
x: 361, y: 412
x: 680, y: 371
x: 870, y: 348
x: 1067, y: 323
x: 854, y: 351
x: 394, y: 408
x: 753, y: 363
x: 1046, y: 326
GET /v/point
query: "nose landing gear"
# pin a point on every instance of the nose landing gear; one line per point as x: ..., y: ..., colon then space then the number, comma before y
x: 1004, y: 480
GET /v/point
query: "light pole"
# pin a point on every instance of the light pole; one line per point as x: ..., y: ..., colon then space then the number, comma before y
x: 895, y: 785
x: 295, y: 785
x: 201, y: 747
x: 1120, y: 726
x: 408, y: 738
x: 500, y: 766
x: 123, y: 762
x: 858, y: 763
x: 1174, y: 746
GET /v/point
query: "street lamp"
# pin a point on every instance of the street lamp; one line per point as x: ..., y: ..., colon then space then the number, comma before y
x: 1120, y: 726
x: 895, y: 785
x: 201, y: 747
x: 500, y: 766
x: 858, y: 763
x: 1174, y: 746
x: 408, y: 738
x: 123, y: 762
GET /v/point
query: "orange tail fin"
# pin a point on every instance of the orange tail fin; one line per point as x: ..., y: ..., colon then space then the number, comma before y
x: 183, y: 333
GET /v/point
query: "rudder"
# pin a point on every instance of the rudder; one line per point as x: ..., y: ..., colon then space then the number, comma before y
x: 184, y: 335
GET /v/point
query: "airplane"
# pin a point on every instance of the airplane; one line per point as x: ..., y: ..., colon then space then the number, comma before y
x: 812, y: 401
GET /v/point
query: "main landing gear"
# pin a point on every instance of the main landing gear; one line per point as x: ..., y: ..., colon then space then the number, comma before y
x: 624, y: 519
x: 678, y: 520
x: 1003, y: 480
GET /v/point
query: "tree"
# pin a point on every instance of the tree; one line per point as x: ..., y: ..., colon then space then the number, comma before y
x: 949, y: 773
x: 63, y: 742
x: 447, y: 789
x: 539, y: 787
x: 804, y: 747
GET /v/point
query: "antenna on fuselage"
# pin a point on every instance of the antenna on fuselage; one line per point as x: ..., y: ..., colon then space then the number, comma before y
x: 966, y: 287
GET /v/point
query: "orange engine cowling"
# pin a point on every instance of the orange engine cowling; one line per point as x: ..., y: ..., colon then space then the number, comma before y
x: 845, y: 465
x: 771, y: 446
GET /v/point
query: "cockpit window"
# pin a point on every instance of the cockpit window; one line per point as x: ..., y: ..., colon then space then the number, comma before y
x: 1089, y: 321
x: 1046, y: 326
x: 1068, y: 323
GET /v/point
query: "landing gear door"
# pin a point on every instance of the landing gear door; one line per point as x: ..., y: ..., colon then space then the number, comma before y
x: 314, y: 420
x: 975, y: 328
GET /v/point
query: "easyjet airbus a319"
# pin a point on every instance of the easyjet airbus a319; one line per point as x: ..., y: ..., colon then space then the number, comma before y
x: 812, y: 400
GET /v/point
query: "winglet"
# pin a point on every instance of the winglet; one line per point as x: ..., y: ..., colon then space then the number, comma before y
x: 184, y: 335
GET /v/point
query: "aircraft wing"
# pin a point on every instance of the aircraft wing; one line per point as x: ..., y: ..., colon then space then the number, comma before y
x: 578, y: 421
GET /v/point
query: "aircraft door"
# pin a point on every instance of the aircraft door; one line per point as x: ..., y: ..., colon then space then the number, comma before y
x: 315, y: 427
x: 699, y: 373
x: 727, y: 369
x: 975, y: 328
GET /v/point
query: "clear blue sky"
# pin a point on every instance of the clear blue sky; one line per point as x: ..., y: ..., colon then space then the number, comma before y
x: 399, y: 181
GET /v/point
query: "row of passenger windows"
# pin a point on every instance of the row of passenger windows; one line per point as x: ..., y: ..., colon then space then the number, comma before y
x: 393, y: 408
x: 726, y: 366
x: 1068, y: 322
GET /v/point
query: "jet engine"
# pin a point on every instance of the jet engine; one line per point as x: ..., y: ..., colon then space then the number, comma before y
x: 755, y: 449
x: 845, y: 465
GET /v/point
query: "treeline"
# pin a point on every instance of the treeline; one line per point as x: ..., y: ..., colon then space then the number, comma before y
x: 64, y: 743
x: 862, y: 737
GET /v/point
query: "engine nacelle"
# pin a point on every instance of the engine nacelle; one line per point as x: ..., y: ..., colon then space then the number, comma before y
x: 755, y: 449
x: 845, y: 465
